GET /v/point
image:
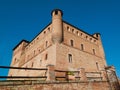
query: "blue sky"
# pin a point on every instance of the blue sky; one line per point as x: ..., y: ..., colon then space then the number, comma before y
x: 23, y: 19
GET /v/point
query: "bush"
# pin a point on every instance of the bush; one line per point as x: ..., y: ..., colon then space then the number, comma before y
x: 70, y: 73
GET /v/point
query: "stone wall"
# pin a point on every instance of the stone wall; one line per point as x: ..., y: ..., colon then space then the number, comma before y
x: 38, y: 85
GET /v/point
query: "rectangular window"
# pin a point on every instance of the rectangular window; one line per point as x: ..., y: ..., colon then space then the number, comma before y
x: 46, y: 44
x: 97, y: 65
x: 70, y: 58
x: 71, y: 43
x: 46, y: 56
x: 32, y: 64
x: 94, y: 51
x: 82, y: 47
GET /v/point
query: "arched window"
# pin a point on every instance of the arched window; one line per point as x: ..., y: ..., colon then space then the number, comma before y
x: 56, y: 12
x: 72, y: 43
x: 44, y: 32
x: 48, y: 28
x: 70, y: 58
x: 68, y: 28
x: 72, y: 30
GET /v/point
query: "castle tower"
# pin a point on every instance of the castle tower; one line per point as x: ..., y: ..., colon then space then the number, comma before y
x: 101, y: 50
x: 57, y: 26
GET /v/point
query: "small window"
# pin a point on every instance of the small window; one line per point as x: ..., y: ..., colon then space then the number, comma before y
x: 94, y: 51
x: 77, y: 33
x: 44, y: 32
x: 81, y: 34
x: 46, y: 56
x: 39, y: 50
x: 49, y: 29
x: 56, y: 12
x: 68, y: 28
x: 46, y: 43
x: 72, y: 30
x: 71, y: 43
x: 90, y: 39
x: 97, y: 65
x: 82, y: 47
x: 37, y: 38
x: 97, y: 35
x: 32, y: 64
x: 34, y: 52
x: 94, y: 40
x: 70, y: 58
x: 15, y: 59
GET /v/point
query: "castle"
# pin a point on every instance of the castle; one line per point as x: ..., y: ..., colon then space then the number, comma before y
x: 62, y: 45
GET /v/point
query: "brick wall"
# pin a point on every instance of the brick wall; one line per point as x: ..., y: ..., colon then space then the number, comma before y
x: 38, y: 85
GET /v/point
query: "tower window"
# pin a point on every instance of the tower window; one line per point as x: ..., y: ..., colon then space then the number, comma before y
x: 70, y: 58
x: 94, y: 51
x: 56, y: 12
x: 71, y: 42
x: 82, y: 47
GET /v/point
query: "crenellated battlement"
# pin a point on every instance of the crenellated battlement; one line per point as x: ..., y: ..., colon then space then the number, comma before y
x: 79, y: 33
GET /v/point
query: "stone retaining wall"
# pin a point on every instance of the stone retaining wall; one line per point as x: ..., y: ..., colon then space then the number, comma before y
x: 38, y: 85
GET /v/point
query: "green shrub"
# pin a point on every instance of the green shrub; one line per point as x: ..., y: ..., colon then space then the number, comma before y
x: 70, y: 73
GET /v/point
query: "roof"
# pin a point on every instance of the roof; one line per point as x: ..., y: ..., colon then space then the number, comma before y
x: 46, y: 27
x: 20, y: 43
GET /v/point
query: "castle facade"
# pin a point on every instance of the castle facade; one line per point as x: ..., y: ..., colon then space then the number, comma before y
x: 62, y: 45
